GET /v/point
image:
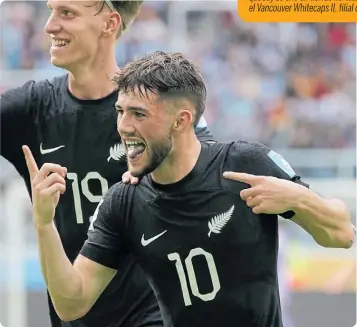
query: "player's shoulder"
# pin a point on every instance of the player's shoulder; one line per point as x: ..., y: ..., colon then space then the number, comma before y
x: 239, y: 150
x: 117, y: 191
x: 39, y: 96
x: 49, y: 93
x: 248, y: 156
x: 54, y: 84
x: 243, y: 148
x: 258, y: 159
x: 40, y: 87
x: 126, y: 193
x: 44, y: 87
x: 32, y: 99
x: 48, y: 89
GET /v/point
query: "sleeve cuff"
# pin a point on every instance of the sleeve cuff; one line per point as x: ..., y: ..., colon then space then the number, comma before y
x: 105, y: 258
x: 290, y: 214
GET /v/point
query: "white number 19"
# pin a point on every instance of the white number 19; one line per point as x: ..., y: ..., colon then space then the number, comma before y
x: 86, y: 192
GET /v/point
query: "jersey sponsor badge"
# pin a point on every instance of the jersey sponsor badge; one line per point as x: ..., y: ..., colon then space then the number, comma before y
x: 281, y: 163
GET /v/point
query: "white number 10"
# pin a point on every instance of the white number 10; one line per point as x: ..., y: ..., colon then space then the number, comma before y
x: 86, y: 192
x: 192, y: 276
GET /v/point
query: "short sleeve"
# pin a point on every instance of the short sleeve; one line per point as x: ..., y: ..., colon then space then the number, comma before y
x: 257, y: 159
x: 202, y: 131
x: 17, y: 123
x: 106, y: 243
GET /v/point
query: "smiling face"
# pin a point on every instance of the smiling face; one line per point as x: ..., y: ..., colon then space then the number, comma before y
x: 76, y: 29
x: 145, y: 126
x: 161, y: 99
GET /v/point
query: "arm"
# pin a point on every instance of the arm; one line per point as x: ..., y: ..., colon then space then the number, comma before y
x: 73, y: 288
x: 276, y: 189
x: 18, y: 128
x: 326, y: 220
x: 17, y: 124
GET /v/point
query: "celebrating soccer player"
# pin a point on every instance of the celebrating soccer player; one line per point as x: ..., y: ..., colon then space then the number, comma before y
x: 71, y: 121
x: 202, y: 222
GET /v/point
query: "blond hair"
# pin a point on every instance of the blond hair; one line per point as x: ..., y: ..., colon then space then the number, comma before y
x: 128, y: 10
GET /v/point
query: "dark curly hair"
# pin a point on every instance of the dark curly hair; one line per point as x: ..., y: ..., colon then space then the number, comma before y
x: 169, y: 75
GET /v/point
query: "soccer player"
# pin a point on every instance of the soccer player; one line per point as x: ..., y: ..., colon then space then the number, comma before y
x: 71, y: 121
x: 202, y: 222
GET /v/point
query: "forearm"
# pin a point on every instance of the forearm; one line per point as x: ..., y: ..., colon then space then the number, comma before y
x: 326, y: 220
x: 43, y: 267
x: 63, y: 281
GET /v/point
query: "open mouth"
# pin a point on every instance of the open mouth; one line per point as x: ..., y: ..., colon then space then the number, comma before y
x: 59, y: 43
x: 135, y: 149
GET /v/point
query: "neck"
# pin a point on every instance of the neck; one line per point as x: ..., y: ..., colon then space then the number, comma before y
x: 180, y: 161
x: 93, y: 80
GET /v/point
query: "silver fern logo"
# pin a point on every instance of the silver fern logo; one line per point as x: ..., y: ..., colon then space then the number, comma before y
x: 218, y: 222
x: 116, y: 152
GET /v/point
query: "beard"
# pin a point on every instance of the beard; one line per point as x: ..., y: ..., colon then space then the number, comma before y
x: 158, y: 153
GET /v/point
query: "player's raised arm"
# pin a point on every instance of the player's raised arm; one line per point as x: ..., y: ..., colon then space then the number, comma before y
x: 276, y: 189
x: 73, y: 288
x: 327, y: 220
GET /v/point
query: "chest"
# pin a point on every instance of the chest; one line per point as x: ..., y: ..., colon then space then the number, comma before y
x: 216, y: 222
x: 87, y: 143
x: 199, y: 248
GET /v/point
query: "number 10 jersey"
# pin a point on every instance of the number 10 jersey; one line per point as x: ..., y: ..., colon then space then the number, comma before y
x: 209, y: 259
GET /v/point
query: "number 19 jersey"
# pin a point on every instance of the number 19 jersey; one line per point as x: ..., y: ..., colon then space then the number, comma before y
x: 82, y: 136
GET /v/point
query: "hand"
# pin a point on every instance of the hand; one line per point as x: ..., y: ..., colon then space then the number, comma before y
x: 47, y: 184
x: 126, y: 178
x: 269, y: 195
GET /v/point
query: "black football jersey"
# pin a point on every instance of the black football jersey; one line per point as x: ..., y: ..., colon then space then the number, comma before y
x: 210, y: 260
x: 82, y: 136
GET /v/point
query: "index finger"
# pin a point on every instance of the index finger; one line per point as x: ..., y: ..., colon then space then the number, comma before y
x: 30, y: 162
x: 241, y: 177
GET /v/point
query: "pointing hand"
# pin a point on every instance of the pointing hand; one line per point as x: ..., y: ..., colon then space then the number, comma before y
x: 46, y: 184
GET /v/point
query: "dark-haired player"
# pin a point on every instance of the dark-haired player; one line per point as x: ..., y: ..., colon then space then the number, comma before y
x: 71, y: 121
x: 203, y: 221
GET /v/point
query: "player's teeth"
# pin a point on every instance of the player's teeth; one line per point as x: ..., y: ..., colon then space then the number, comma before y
x: 60, y: 43
x: 131, y: 143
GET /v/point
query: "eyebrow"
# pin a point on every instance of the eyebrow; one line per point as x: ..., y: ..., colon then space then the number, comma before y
x: 131, y: 108
x: 63, y: 7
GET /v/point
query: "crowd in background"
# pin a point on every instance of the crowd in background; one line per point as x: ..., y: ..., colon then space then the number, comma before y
x: 287, y: 85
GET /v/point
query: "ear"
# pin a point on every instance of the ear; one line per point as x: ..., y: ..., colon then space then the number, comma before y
x: 183, y: 121
x: 112, y: 24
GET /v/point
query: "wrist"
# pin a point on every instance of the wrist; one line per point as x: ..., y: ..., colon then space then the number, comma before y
x: 300, y: 198
x: 44, y: 227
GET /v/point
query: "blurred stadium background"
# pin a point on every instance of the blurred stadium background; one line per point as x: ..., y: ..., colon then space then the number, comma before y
x: 290, y: 86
